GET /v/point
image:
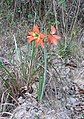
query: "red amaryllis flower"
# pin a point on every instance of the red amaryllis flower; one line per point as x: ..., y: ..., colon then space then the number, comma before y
x: 52, y: 37
x: 36, y: 36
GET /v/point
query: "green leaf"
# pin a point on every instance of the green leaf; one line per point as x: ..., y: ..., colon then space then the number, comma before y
x: 1, y: 63
x: 41, y: 80
x: 63, y: 2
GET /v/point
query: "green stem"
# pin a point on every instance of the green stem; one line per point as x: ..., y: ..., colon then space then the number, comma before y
x: 45, y: 69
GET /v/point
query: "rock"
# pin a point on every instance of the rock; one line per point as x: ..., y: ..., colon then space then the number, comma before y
x: 21, y: 100
x: 79, y: 77
x: 30, y: 110
x: 72, y: 100
x: 62, y: 115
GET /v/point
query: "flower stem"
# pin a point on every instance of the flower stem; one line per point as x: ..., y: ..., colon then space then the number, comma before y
x: 45, y: 73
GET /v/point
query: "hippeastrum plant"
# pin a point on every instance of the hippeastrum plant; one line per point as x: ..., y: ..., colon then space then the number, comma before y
x: 38, y: 37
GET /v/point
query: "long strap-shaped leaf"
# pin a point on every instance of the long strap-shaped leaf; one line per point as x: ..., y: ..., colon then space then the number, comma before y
x: 43, y: 80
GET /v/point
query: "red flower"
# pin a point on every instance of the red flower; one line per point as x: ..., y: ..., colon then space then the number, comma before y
x: 52, y: 37
x: 36, y: 36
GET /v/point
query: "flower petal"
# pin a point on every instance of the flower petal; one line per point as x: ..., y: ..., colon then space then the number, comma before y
x: 30, y: 38
x: 57, y: 37
x: 30, y: 33
x: 36, y: 29
x: 40, y: 42
x: 53, y: 30
x: 53, y: 40
x: 42, y: 36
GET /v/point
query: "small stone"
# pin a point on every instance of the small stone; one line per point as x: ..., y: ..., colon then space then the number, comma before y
x: 78, y: 108
x: 21, y: 100
x: 71, y: 101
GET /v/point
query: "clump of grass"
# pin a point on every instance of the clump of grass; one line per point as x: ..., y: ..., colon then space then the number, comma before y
x: 66, y: 50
